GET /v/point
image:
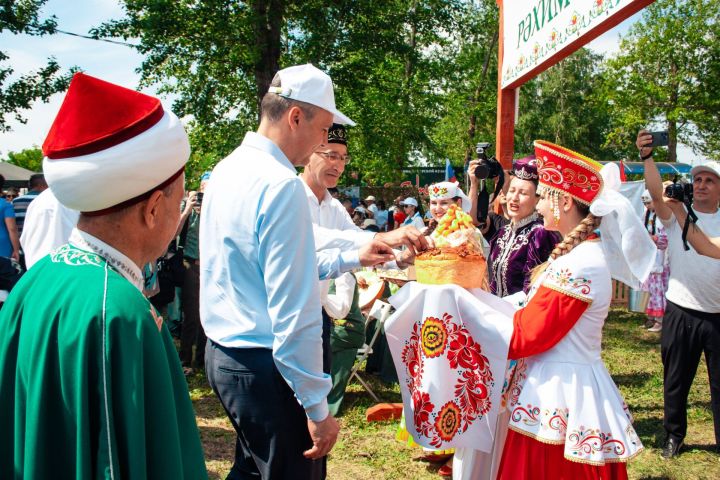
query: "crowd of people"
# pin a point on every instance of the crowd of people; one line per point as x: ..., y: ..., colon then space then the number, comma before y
x: 92, y: 384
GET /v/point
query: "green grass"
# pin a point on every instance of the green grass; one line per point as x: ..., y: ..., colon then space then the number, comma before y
x: 370, y: 451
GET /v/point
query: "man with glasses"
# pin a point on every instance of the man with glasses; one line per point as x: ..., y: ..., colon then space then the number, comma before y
x: 333, y: 226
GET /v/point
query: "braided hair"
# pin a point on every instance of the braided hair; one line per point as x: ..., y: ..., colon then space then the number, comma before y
x: 586, y: 226
x: 574, y: 238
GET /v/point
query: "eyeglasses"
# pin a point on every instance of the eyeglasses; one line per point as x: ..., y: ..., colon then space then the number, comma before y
x: 334, y: 156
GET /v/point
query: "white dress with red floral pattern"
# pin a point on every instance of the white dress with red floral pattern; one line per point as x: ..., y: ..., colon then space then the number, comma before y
x: 565, y: 395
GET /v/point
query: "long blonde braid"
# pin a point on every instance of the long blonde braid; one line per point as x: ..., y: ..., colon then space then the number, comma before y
x: 586, y: 226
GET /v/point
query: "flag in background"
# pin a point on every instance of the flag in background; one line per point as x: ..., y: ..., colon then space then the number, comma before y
x: 623, y: 178
x: 449, y: 172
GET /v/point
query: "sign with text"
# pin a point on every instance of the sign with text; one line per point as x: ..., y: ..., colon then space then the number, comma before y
x: 537, y: 33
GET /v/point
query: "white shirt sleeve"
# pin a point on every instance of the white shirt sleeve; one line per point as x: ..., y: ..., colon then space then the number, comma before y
x: 338, y: 304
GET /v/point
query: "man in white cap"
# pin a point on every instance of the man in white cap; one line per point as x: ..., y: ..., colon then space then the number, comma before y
x: 90, y: 382
x: 260, y: 302
x: 371, y: 207
x: 690, y: 323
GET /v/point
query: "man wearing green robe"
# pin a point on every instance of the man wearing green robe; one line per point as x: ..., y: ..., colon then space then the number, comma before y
x: 90, y: 383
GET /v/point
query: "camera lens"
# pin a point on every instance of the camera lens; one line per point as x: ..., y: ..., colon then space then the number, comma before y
x: 482, y: 171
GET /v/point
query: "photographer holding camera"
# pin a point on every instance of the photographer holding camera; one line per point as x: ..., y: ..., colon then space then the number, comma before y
x: 192, y: 333
x: 691, y: 324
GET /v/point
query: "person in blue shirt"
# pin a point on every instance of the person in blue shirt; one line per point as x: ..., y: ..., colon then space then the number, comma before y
x: 259, y: 293
x: 9, y: 238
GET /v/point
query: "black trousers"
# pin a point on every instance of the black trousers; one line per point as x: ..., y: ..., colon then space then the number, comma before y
x: 271, y: 426
x: 685, y: 335
x: 192, y: 333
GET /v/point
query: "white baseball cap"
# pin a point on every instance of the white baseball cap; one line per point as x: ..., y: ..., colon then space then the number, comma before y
x: 306, y: 83
x: 370, y: 198
x: 410, y: 201
x: 710, y: 167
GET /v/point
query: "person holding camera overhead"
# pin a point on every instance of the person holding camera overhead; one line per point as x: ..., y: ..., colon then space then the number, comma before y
x: 690, y: 324
x: 518, y: 247
x: 192, y: 333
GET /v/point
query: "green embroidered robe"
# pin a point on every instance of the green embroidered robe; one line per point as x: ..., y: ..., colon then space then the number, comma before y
x: 90, y: 387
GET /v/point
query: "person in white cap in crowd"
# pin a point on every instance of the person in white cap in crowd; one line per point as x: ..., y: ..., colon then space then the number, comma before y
x: 413, y: 218
x: 48, y: 225
x: 690, y: 323
x: 259, y: 295
x: 657, y: 283
x: 90, y: 382
x: 372, y: 208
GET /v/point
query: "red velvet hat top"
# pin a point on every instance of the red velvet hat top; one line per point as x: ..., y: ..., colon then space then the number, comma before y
x: 96, y: 115
x: 569, y: 172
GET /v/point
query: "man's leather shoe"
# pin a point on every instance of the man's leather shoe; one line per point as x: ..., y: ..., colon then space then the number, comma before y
x: 671, y: 448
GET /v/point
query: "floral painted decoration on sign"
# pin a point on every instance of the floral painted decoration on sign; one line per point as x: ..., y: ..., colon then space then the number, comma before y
x: 435, y: 337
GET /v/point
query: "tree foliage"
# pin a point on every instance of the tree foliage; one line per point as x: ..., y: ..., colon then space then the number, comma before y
x: 386, y: 57
x: 564, y: 105
x: 666, y: 74
x: 30, y: 159
x: 17, y: 94
x: 419, y: 76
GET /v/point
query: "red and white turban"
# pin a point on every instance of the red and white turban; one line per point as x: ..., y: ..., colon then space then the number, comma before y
x: 110, y: 146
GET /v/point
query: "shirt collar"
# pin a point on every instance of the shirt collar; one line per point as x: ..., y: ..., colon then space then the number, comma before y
x: 264, y: 144
x: 311, y: 195
x: 530, y: 218
x: 113, y: 256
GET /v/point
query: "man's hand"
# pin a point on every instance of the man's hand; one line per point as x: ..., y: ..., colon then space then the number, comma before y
x: 644, y: 138
x: 374, y: 253
x: 324, y: 435
x: 405, y: 258
x: 408, y: 236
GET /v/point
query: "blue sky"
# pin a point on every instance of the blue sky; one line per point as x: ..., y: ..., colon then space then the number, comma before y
x: 117, y: 64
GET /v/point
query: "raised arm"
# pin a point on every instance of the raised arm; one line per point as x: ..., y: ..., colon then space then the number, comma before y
x: 653, y: 181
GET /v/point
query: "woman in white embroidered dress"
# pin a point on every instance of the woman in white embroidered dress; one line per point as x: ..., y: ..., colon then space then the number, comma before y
x: 568, y: 420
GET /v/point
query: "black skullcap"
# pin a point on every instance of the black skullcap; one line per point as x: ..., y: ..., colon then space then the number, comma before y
x: 337, y: 134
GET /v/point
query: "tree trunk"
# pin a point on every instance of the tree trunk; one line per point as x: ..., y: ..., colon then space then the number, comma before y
x: 476, y: 96
x: 269, y: 17
x: 672, y: 122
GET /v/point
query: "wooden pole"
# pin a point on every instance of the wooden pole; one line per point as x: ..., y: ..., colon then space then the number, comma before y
x: 505, y: 128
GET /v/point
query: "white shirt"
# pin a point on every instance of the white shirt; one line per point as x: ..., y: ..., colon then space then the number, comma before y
x: 48, y: 225
x: 332, y: 225
x: 259, y: 268
x: 694, y: 278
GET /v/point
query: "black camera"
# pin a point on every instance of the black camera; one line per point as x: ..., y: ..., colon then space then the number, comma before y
x: 680, y: 191
x: 488, y: 167
x: 198, y: 198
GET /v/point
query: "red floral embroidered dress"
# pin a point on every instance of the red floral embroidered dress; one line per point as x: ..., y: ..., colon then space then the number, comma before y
x: 567, y: 415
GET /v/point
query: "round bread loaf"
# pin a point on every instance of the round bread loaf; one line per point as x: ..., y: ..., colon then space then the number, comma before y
x: 456, y: 265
